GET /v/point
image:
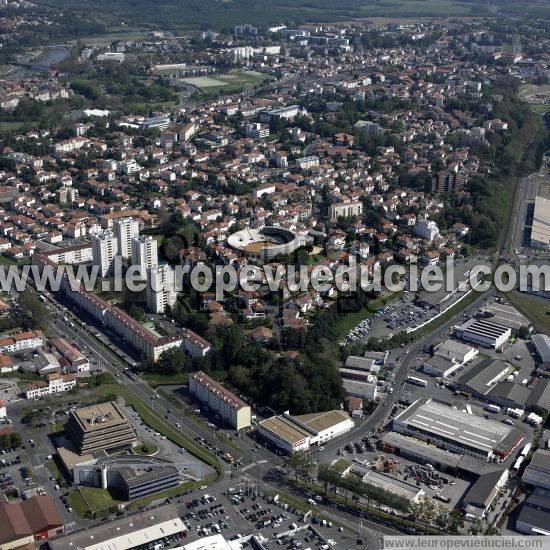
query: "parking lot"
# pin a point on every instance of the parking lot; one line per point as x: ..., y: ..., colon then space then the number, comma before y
x: 16, y: 475
x: 414, y: 308
x: 241, y: 510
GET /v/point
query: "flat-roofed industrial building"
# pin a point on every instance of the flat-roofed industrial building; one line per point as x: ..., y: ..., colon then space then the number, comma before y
x: 419, y: 451
x: 448, y: 358
x: 483, y: 377
x: 541, y: 343
x: 457, y: 431
x: 299, y: 433
x: 392, y: 485
x: 140, y: 482
x: 540, y: 226
x: 484, y: 333
x: 100, y: 427
x: 139, y: 530
x: 506, y: 316
x: 537, y: 473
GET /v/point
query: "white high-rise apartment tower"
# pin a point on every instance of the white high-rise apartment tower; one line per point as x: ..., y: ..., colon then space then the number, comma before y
x: 144, y: 253
x: 104, y: 249
x: 161, y: 288
x: 125, y: 230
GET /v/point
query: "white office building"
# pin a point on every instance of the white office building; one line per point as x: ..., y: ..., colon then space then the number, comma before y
x: 56, y: 383
x: 125, y: 230
x: 161, y: 288
x: 298, y: 433
x: 104, y: 250
x: 144, y: 253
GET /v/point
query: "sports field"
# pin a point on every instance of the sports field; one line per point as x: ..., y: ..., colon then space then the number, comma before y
x: 226, y: 83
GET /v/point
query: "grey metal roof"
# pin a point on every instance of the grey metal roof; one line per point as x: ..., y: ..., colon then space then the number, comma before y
x: 542, y: 345
x: 479, y: 376
x: 540, y: 396
x: 510, y: 390
x: 482, y: 491
x: 538, y: 471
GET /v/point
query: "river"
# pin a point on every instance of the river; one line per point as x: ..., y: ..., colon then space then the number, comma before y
x: 51, y: 56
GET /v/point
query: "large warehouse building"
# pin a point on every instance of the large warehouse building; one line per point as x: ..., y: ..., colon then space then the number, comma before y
x: 100, y: 427
x: 483, y: 377
x: 540, y: 226
x: 231, y: 409
x: 140, y: 530
x: 449, y: 357
x: 23, y: 523
x: 299, y: 433
x: 537, y: 474
x: 541, y: 343
x: 506, y: 316
x: 484, y: 333
x: 457, y: 431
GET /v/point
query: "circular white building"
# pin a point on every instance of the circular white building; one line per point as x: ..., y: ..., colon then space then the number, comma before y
x: 266, y: 243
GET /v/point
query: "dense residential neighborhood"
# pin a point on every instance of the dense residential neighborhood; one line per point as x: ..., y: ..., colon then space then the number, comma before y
x: 220, y: 244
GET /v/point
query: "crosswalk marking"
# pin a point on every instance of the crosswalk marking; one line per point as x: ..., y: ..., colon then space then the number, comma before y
x: 249, y: 466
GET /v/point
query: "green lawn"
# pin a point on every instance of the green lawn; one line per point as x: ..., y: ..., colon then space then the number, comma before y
x: 231, y: 82
x: 11, y: 126
x: 4, y: 260
x: 52, y: 466
x: 77, y: 503
x: 56, y: 427
x: 537, y: 310
x: 156, y: 379
x: 91, y: 500
x: 99, y: 499
x: 341, y: 465
x: 417, y: 8
x: 449, y: 314
x: 147, y: 449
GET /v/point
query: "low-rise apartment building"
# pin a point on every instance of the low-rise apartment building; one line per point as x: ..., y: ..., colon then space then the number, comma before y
x: 220, y: 400
x: 54, y: 383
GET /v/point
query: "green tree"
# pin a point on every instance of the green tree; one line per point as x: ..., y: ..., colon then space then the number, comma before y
x: 172, y: 361
x: 301, y: 463
x: 33, y: 313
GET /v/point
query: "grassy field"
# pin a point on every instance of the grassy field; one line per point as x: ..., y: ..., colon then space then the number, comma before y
x: 226, y: 83
x: 56, y: 472
x: 147, y: 449
x: 4, y: 260
x: 10, y: 126
x: 155, y: 379
x: 538, y: 96
x: 449, y: 314
x: 418, y: 8
x: 535, y: 309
